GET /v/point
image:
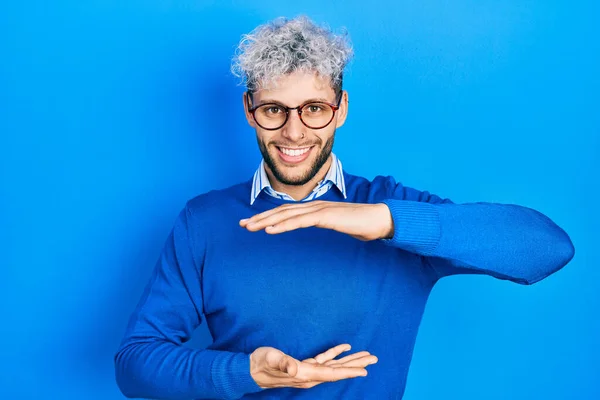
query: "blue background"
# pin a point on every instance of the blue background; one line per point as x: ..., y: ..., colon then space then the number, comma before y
x: 114, y: 113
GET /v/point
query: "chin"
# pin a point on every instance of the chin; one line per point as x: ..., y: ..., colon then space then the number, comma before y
x: 295, y: 178
x: 300, y: 173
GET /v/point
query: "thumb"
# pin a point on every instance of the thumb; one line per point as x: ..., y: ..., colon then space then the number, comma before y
x: 288, y: 365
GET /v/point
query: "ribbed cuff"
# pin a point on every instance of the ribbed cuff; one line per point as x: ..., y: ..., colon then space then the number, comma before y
x: 416, y: 226
x: 231, y: 375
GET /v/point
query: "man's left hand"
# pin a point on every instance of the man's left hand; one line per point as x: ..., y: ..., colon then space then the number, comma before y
x: 361, y: 221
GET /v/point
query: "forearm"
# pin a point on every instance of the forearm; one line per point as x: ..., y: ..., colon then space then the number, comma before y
x: 152, y: 361
x: 510, y: 240
x: 163, y: 370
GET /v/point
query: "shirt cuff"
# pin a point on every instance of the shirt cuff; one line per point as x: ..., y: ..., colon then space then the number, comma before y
x: 416, y: 226
x: 231, y: 375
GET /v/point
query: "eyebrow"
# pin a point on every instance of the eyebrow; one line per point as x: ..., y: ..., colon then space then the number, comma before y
x: 316, y: 99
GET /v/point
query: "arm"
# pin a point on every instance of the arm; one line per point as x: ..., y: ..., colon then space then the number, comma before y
x: 151, y: 361
x: 502, y: 240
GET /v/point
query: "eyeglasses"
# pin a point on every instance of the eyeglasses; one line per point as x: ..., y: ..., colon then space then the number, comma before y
x: 313, y: 114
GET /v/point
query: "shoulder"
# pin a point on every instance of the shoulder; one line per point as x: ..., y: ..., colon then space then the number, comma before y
x: 214, y: 203
x: 383, y: 187
x: 376, y: 189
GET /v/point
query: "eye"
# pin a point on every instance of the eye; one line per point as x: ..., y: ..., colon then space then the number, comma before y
x: 314, y: 108
x: 273, y: 110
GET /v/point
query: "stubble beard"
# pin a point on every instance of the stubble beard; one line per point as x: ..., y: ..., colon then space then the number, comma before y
x: 321, y: 159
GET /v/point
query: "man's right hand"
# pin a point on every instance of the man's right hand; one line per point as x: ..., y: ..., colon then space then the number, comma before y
x: 271, y: 368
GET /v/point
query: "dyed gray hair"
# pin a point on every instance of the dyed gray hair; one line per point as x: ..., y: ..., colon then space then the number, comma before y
x: 284, y: 46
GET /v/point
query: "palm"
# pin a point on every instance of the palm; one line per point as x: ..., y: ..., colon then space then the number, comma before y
x: 271, y: 367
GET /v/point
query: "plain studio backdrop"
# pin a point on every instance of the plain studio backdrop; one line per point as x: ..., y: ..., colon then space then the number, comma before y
x: 114, y: 113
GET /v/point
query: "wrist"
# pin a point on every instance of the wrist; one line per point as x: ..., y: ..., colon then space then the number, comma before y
x: 387, y: 226
x: 253, y: 366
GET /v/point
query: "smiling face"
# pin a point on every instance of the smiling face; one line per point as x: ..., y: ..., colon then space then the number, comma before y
x: 294, y: 154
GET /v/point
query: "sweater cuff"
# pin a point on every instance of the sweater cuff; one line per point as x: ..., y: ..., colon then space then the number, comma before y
x: 231, y: 375
x: 416, y: 226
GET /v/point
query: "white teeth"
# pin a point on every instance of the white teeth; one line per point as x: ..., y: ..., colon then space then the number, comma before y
x: 294, y: 153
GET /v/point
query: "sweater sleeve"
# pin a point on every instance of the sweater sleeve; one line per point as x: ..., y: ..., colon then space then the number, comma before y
x: 505, y: 241
x: 151, y: 361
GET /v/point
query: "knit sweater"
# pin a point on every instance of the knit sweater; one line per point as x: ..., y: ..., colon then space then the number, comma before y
x: 310, y: 289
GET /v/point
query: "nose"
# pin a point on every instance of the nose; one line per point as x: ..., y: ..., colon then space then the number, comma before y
x: 294, y: 127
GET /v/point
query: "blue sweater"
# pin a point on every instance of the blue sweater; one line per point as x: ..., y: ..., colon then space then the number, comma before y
x: 308, y: 290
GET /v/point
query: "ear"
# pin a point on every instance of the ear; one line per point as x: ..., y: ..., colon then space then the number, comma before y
x: 249, y: 118
x: 342, y: 112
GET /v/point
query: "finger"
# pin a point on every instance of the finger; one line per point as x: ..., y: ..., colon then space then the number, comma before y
x: 329, y: 354
x: 332, y: 353
x: 279, y: 361
x: 268, y: 213
x: 316, y: 218
x: 282, y: 215
x: 308, y: 372
x: 289, y: 365
x: 258, y: 217
x: 277, y: 217
x: 307, y: 385
x: 361, y: 362
x: 290, y: 207
x: 350, y: 357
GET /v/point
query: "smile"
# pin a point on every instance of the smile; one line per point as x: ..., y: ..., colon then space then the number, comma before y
x: 293, y: 155
x: 294, y: 152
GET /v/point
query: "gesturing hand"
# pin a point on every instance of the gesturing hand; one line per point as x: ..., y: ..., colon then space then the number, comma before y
x: 361, y: 221
x: 271, y: 368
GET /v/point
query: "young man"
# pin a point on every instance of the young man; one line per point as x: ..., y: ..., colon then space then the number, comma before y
x: 303, y: 260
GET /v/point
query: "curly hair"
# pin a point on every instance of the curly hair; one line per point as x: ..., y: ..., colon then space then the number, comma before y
x: 284, y: 46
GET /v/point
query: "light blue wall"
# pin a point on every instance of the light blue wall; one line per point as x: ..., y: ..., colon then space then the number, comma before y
x: 114, y: 113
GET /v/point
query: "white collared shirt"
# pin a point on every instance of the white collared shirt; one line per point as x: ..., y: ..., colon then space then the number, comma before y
x: 334, y: 176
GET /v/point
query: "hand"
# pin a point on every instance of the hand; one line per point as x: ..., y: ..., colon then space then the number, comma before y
x: 271, y: 368
x: 361, y: 221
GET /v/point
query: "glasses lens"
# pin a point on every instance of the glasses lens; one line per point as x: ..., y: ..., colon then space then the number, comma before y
x: 270, y: 116
x: 317, y: 115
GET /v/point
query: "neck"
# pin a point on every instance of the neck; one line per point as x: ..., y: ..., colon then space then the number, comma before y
x: 299, y: 192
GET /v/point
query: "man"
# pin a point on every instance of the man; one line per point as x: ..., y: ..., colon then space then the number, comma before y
x: 304, y: 260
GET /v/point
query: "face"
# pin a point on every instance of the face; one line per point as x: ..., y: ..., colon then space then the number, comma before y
x: 294, y: 153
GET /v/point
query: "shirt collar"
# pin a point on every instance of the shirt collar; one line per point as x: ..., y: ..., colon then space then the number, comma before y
x: 335, y: 175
